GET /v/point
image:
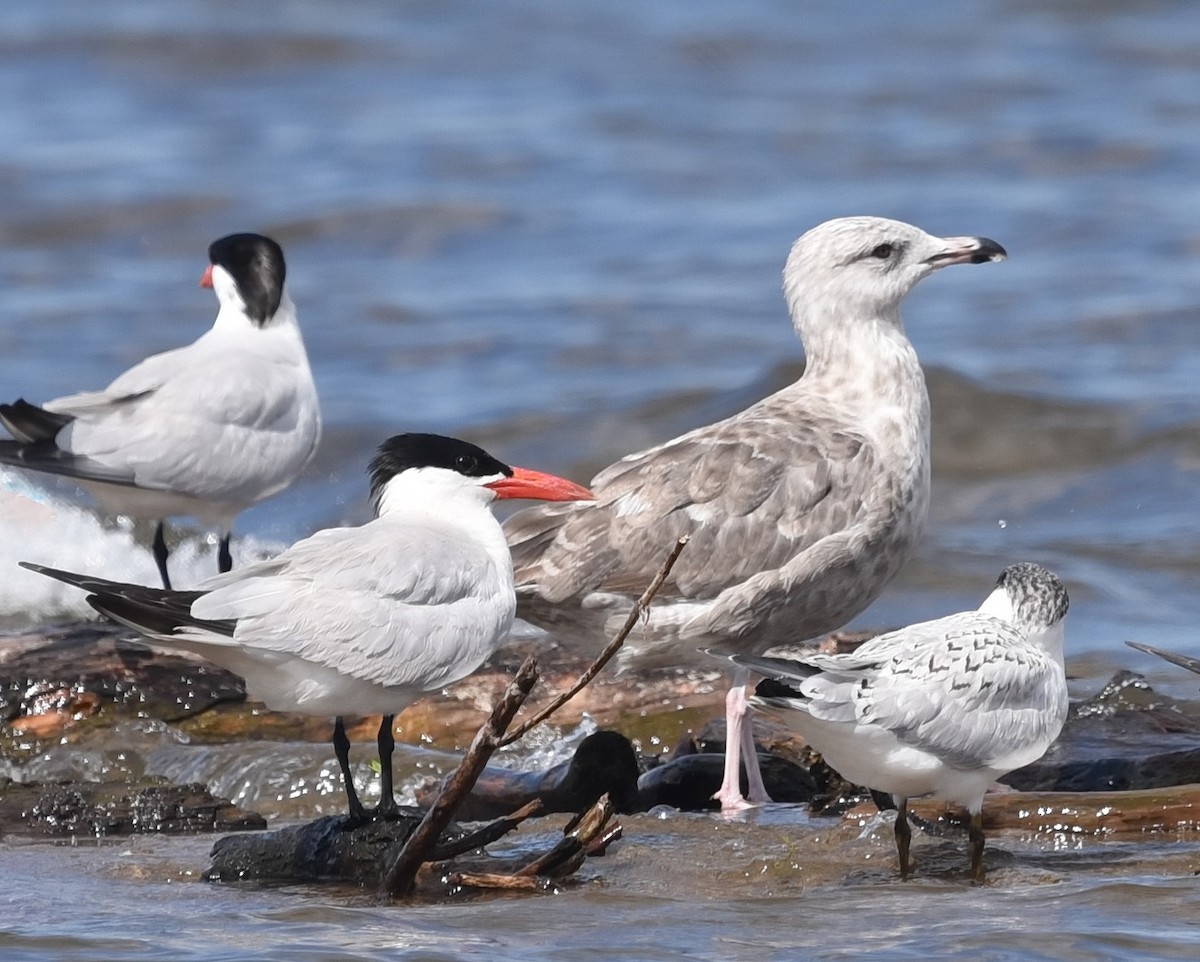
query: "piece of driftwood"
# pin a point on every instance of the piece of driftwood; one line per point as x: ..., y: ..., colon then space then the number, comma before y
x: 419, y: 847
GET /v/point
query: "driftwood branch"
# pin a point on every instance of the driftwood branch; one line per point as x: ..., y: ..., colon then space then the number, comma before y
x: 572, y: 848
x: 638, y: 611
x: 489, y: 833
x: 421, y: 844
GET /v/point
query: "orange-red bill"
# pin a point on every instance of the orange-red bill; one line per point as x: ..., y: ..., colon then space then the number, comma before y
x: 539, y: 486
x: 206, y: 278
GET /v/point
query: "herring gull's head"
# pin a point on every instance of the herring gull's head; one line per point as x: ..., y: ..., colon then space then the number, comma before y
x: 862, y: 267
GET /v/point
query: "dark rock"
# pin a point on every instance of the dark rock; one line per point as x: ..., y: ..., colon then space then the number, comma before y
x: 605, y: 761
x: 688, y: 782
x: 329, y: 848
x: 1126, y: 737
x: 99, y: 809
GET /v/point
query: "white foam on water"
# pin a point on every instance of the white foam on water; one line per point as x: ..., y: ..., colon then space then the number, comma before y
x: 41, y: 526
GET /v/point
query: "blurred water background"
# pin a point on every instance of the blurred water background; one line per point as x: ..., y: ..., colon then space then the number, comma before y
x: 557, y: 229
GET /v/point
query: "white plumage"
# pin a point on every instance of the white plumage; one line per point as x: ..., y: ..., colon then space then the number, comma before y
x: 359, y: 620
x: 205, y: 430
x: 941, y: 708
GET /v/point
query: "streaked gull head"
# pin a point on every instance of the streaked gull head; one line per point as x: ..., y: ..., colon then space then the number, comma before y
x: 862, y: 267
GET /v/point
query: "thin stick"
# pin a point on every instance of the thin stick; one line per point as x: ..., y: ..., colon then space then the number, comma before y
x: 639, y: 609
x: 420, y: 845
x: 486, y: 834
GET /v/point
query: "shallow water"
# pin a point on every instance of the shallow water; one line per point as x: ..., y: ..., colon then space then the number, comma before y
x: 558, y: 229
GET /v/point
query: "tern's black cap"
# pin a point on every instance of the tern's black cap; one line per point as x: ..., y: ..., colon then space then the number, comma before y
x: 406, y: 451
x: 256, y: 265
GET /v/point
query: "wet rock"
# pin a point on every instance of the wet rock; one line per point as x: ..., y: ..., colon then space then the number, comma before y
x: 88, y: 673
x: 328, y: 848
x: 102, y: 810
x: 1126, y: 737
x: 1172, y: 811
x: 604, y: 763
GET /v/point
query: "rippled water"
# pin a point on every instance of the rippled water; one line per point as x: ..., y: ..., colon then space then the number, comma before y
x: 558, y: 229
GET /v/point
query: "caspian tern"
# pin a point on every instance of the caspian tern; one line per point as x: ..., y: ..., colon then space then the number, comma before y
x: 800, y: 508
x: 205, y: 430
x: 359, y: 620
x: 942, y: 708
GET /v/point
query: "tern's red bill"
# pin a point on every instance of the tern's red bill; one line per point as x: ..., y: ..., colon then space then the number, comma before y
x: 206, y: 278
x: 537, y: 485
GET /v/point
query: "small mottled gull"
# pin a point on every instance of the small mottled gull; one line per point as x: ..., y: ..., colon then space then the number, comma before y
x: 205, y: 430
x: 800, y: 508
x: 356, y: 621
x: 942, y: 708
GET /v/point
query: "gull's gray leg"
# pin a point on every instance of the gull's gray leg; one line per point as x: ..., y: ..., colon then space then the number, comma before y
x: 160, y: 555
x: 975, y: 835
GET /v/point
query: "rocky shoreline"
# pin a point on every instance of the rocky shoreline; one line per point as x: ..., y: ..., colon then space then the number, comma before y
x: 1127, y: 764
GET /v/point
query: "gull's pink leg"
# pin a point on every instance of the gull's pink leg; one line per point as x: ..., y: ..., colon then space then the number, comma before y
x: 739, y: 739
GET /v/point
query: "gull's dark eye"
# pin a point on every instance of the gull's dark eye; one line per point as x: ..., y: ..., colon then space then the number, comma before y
x: 883, y: 251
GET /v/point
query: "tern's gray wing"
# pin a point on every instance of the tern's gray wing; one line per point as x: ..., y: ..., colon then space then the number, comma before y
x: 395, y: 604
x: 212, y: 423
x: 969, y: 689
x: 752, y: 492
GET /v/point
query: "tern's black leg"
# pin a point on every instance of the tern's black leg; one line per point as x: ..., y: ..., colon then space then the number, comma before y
x: 975, y: 835
x: 224, y: 558
x: 903, y: 835
x: 387, y: 744
x: 160, y: 555
x: 341, y: 749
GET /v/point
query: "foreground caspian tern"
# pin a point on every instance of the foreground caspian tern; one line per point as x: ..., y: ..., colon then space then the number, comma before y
x: 800, y: 509
x: 942, y: 708
x: 359, y: 620
x: 205, y: 430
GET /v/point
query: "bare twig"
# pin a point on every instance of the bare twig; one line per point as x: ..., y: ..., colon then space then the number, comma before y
x: 571, y: 850
x: 639, y: 609
x: 420, y: 845
x: 486, y: 834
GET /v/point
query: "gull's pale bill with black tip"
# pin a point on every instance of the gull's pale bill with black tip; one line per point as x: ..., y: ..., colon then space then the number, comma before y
x: 799, y: 509
x: 359, y: 620
x: 941, y: 708
x: 203, y: 431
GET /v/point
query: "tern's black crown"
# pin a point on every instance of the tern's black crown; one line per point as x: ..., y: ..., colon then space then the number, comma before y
x: 405, y: 451
x: 256, y: 265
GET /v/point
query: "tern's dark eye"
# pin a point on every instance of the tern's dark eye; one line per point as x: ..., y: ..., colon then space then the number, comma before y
x: 883, y: 251
x: 466, y: 463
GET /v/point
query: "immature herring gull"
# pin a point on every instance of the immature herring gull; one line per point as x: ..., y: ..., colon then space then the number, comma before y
x: 800, y: 508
